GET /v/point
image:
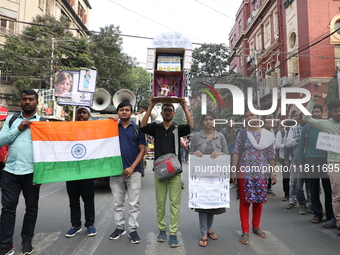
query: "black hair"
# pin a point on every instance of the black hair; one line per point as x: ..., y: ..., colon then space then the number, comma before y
x: 171, y: 105
x: 318, y: 106
x: 123, y: 104
x: 29, y: 92
x: 210, y: 113
x: 144, y: 107
x: 335, y: 103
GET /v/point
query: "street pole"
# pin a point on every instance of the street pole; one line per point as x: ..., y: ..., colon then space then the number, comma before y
x: 52, y: 58
x: 338, y: 77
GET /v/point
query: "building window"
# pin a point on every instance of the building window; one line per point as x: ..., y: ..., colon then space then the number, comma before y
x: 41, y: 4
x: 267, y: 29
x: 3, y: 24
x: 11, y: 26
x: 240, y: 26
x: 292, y: 40
x: 337, y: 26
x: 258, y: 41
x: 5, y: 74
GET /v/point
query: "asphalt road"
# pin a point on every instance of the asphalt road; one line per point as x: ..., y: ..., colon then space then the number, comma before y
x: 287, y: 231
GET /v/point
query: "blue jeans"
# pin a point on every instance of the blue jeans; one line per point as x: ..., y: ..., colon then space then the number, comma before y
x: 12, y: 185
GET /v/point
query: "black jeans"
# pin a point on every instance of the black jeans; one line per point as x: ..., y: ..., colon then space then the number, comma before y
x: 315, y: 189
x: 285, y: 179
x: 85, y: 189
x: 12, y: 185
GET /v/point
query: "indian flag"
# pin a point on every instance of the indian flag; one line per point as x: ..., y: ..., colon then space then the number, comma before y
x: 66, y: 151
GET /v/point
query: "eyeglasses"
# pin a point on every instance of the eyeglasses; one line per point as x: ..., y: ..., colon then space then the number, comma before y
x: 167, y: 110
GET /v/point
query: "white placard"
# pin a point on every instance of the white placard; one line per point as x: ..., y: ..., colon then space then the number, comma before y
x: 328, y: 142
x: 171, y: 40
x: 75, y: 98
x: 209, y: 181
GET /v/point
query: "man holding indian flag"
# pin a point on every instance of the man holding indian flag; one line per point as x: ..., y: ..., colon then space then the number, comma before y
x: 18, y: 175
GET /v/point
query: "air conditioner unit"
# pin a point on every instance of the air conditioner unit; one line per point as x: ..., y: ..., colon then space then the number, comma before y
x: 285, y: 81
x: 264, y: 91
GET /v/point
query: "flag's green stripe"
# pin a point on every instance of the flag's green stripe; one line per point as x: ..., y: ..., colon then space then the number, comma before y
x: 46, y: 172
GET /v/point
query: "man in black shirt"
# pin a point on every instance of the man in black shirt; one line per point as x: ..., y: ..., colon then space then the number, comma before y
x: 163, y: 134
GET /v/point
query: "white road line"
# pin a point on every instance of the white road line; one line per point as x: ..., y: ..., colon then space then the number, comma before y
x: 153, y: 247
x: 332, y: 233
x: 268, y: 246
x: 90, y: 244
x: 43, y: 240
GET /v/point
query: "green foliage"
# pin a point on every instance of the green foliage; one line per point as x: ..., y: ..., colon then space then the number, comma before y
x: 29, y: 54
x: 210, y: 61
x: 179, y: 118
x: 333, y: 89
x: 113, y: 66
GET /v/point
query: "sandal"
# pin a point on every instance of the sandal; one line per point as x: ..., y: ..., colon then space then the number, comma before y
x: 212, y: 235
x: 316, y: 220
x: 244, y: 239
x: 203, y: 242
x: 259, y: 232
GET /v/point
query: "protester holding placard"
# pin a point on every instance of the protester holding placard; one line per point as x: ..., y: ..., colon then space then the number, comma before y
x: 208, y: 141
x: 255, y: 161
x: 330, y: 126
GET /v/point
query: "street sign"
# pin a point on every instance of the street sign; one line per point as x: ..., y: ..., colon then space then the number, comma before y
x: 3, y: 112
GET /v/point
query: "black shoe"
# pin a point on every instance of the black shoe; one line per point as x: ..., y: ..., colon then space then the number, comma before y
x: 117, y: 233
x: 6, y: 251
x: 330, y: 224
x: 27, y: 247
x: 134, y: 237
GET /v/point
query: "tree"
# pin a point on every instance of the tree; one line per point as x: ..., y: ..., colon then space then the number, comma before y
x: 140, y: 86
x: 112, y: 64
x: 180, y: 116
x: 29, y: 54
x: 210, y: 61
x: 333, y: 90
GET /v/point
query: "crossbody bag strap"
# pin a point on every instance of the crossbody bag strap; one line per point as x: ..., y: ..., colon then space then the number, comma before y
x: 176, y: 139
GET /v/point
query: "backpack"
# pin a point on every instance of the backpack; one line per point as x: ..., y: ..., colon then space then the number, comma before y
x: 243, y: 141
x: 15, y: 116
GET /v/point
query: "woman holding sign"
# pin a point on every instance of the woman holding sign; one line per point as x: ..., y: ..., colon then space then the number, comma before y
x: 252, y: 157
x: 210, y: 142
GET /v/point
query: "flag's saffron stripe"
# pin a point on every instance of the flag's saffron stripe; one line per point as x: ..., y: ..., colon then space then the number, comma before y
x: 47, y: 172
x: 57, y: 151
x: 73, y: 130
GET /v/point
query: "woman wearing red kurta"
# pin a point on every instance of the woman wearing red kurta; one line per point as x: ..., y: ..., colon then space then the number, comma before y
x: 253, y: 159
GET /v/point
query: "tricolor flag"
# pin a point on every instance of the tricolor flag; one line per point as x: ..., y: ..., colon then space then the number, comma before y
x: 65, y: 151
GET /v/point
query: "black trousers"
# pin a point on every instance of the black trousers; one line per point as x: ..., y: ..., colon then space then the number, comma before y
x: 12, y: 185
x: 285, y: 179
x: 85, y: 190
x: 315, y: 188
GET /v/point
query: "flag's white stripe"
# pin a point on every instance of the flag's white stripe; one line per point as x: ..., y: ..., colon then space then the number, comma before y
x: 55, y: 151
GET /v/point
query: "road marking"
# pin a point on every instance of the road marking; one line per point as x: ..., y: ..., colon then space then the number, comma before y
x: 153, y: 247
x: 44, y: 240
x: 268, y: 246
x: 331, y: 232
x: 89, y: 245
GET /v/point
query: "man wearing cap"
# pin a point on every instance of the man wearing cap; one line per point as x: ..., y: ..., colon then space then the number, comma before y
x: 83, y: 189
